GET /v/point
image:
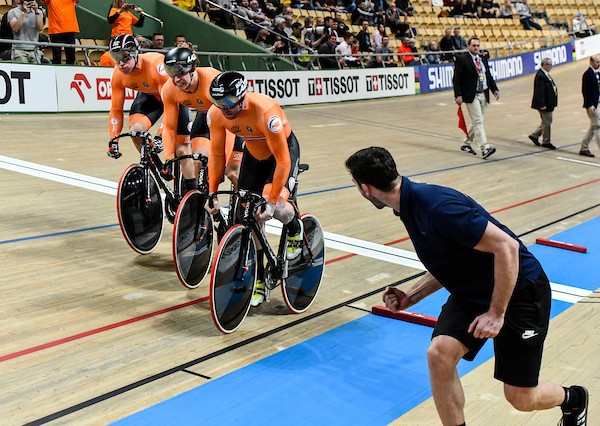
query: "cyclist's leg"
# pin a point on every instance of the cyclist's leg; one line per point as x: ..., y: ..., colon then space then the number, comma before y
x: 184, y: 147
x: 145, y: 111
x: 252, y: 177
x: 200, y: 135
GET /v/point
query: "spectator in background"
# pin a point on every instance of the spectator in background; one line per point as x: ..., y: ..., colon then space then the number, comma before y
x: 264, y: 40
x: 378, y: 35
x: 121, y: 18
x: 298, y: 47
x: 404, y: 7
x: 181, y: 41
x: 525, y: 16
x: 143, y: 42
x: 158, y: 41
x: 342, y: 28
x: 507, y: 10
x: 7, y: 34
x: 328, y: 62
x: 446, y: 45
x: 458, y: 41
x: 363, y: 11
x: 257, y: 16
x: 62, y: 27
x: 364, y: 38
x: 433, y: 58
x: 471, y: 10
x: 489, y: 9
x: 314, y: 34
x: 459, y: 9
x: 405, y: 52
x: 106, y: 60
x: 382, y: 57
x: 580, y: 26
x: 396, y: 20
x: 344, y: 49
x: 220, y: 17
x: 26, y: 22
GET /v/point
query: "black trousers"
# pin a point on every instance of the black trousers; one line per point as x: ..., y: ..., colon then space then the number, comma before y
x: 65, y: 38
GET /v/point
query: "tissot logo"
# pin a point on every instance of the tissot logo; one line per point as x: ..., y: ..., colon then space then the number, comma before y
x: 6, y: 92
x: 315, y: 86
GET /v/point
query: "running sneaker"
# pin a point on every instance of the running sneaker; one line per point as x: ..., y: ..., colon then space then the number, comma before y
x: 259, y: 293
x: 294, y: 243
x: 576, y: 416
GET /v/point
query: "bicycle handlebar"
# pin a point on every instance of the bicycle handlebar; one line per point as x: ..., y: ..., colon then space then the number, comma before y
x: 133, y: 134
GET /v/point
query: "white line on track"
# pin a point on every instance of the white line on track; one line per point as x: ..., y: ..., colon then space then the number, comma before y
x: 334, y: 241
x: 578, y: 161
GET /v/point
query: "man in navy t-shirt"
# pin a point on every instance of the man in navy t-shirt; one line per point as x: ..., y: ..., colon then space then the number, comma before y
x: 497, y: 288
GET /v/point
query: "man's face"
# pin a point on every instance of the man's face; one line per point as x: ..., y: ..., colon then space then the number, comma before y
x: 127, y: 66
x: 385, y: 41
x: 180, y: 41
x: 234, y: 111
x: 183, y: 82
x: 474, y: 47
x: 158, y: 41
x: 374, y: 200
x: 595, y: 62
x: 365, y: 25
x: 332, y: 40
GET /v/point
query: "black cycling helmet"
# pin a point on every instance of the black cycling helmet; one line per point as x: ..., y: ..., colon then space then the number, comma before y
x: 123, y: 47
x: 180, y: 61
x: 227, y: 89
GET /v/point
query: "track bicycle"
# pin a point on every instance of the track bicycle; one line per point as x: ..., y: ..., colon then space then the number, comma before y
x: 233, y: 277
x: 141, y: 210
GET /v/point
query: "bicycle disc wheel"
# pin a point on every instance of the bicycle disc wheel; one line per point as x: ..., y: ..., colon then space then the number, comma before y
x: 233, y: 279
x: 140, y: 218
x: 305, y: 272
x: 192, y: 240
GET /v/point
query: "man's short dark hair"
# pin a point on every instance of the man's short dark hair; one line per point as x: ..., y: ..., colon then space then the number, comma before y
x: 374, y: 166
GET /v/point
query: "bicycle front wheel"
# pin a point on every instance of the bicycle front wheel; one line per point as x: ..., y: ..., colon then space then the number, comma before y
x: 140, y: 212
x: 192, y: 240
x: 233, y: 279
x: 305, y: 272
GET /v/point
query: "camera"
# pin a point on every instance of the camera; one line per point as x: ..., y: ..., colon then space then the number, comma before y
x: 316, y: 30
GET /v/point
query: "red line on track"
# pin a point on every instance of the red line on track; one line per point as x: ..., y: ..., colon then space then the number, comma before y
x: 183, y: 305
x: 98, y: 330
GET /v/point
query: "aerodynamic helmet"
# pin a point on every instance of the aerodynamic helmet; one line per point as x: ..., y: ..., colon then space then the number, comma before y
x: 180, y: 61
x: 228, y: 88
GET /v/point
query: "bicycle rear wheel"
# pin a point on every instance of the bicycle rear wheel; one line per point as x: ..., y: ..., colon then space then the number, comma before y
x: 233, y: 279
x: 192, y: 240
x: 140, y: 217
x: 305, y: 272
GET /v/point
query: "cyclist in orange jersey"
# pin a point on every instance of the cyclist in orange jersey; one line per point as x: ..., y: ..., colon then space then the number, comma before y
x: 189, y: 86
x: 271, y: 156
x: 143, y: 73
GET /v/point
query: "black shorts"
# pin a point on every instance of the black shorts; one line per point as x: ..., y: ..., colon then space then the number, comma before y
x: 255, y: 174
x: 152, y: 108
x: 519, y: 345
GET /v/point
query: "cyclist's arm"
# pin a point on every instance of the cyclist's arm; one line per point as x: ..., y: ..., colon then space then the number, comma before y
x: 277, y: 143
x: 216, y: 160
x: 115, y: 116
x: 170, y: 117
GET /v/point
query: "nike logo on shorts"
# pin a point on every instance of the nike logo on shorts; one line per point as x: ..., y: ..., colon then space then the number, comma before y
x: 528, y: 334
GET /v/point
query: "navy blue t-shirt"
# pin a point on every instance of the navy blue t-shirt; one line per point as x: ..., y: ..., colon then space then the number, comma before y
x: 444, y: 226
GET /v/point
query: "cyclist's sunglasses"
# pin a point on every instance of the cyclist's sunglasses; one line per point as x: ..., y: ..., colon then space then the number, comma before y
x: 177, y: 70
x: 121, y: 55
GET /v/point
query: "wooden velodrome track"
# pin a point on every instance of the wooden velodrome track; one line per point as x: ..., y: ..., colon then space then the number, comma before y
x: 82, y: 315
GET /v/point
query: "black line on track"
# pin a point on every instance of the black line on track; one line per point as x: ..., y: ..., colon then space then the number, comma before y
x: 183, y: 367
x: 197, y: 374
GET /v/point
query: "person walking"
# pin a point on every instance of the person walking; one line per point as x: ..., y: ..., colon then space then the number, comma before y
x: 591, y: 92
x: 473, y: 82
x: 498, y: 290
x: 545, y: 99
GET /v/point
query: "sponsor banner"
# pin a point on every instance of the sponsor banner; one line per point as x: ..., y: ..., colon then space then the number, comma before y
x: 586, y: 47
x: 27, y: 88
x: 310, y: 87
x: 86, y: 89
x: 439, y: 77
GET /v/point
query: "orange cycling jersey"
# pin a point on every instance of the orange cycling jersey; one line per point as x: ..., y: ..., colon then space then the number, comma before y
x: 172, y: 97
x: 264, y: 126
x: 148, y: 77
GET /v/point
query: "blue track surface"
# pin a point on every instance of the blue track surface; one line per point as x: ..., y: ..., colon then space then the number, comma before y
x: 367, y: 372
